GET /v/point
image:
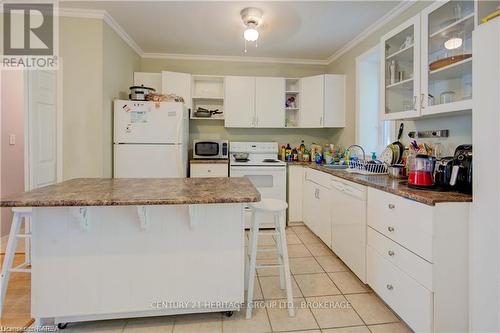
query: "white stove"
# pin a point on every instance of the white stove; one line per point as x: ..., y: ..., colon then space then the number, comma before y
x: 262, y: 167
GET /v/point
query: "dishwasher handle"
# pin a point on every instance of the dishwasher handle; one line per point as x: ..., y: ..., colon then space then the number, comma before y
x: 338, y: 185
x: 349, y: 190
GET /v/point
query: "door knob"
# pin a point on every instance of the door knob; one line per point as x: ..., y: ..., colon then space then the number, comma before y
x: 391, y: 229
x: 390, y: 287
x: 391, y: 253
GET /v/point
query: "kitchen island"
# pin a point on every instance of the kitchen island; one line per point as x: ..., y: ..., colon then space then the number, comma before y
x: 117, y: 248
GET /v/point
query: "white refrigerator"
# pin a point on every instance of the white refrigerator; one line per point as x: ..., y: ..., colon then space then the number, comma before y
x: 150, y: 139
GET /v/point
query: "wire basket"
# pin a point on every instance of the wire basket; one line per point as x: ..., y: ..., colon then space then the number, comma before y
x: 365, y: 168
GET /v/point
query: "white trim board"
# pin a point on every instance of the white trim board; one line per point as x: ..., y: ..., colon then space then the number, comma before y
x: 104, y: 15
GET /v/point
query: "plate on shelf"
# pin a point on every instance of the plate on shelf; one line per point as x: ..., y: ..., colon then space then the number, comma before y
x: 448, y: 61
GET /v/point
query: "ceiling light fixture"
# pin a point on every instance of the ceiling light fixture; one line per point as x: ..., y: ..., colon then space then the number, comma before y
x: 453, y: 43
x: 252, y: 18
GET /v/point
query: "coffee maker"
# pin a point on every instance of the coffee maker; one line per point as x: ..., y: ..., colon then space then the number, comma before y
x: 442, y: 173
x: 461, y: 172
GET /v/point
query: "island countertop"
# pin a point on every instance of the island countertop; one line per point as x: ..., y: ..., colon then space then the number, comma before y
x: 137, y: 192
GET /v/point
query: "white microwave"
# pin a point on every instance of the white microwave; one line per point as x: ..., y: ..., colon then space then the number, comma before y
x: 213, y: 149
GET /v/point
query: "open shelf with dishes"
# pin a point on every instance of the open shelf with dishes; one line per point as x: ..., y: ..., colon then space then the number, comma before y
x: 292, y: 102
x: 207, y: 97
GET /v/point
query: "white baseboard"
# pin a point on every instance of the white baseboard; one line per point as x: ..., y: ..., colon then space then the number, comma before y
x: 3, y: 244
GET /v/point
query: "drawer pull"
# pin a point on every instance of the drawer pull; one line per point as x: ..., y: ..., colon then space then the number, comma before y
x: 390, y: 287
x: 391, y: 229
x: 391, y: 206
x: 391, y: 253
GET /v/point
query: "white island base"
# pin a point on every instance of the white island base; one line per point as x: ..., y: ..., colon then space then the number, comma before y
x: 92, y: 263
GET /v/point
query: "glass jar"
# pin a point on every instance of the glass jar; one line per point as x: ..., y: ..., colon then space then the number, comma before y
x: 421, y: 170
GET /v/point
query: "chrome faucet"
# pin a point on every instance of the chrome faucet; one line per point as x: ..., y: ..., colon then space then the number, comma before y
x: 364, y: 155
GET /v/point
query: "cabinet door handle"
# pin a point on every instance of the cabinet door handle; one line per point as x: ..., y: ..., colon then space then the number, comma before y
x: 321, y: 120
x: 391, y: 206
x: 390, y: 287
x: 422, y: 99
x: 390, y: 253
x: 415, y: 102
x: 391, y: 229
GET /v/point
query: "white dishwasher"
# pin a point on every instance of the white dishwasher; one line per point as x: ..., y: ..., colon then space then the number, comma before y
x: 349, y: 224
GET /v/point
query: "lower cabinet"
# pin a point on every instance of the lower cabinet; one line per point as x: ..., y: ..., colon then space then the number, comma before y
x: 209, y: 170
x: 317, y: 204
x: 295, y: 192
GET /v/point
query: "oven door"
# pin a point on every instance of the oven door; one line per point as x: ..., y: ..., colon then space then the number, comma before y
x: 206, y: 149
x: 271, y: 183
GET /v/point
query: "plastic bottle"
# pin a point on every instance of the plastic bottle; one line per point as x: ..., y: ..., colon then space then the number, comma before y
x: 288, y: 152
x: 294, y: 155
x: 302, y: 146
x: 283, y: 153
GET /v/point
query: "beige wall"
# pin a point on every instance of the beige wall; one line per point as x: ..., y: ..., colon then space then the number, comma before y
x: 214, y: 129
x: 97, y: 67
x: 119, y: 64
x: 460, y: 126
x: 12, y: 156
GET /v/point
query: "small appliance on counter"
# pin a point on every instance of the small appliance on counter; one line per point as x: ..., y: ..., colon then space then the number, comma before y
x: 210, y: 149
x: 442, y: 173
x: 421, y: 171
x: 139, y: 93
x: 461, y: 174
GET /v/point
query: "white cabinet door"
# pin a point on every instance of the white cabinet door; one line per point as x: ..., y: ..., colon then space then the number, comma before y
x: 239, y: 100
x: 207, y: 170
x: 295, y: 193
x: 312, y: 101
x: 177, y: 83
x: 334, y: 112
x: 310, y: 202
x: 151, y: 80
x: 317, y: 211
x: 270, y: 102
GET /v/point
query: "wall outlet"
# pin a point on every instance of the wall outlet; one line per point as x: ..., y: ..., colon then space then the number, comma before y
x: 12, y: 139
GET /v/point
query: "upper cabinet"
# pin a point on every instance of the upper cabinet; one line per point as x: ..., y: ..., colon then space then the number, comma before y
x: 427, y: 62
x: 239, y: 101
x: 400, y: 61
x: 447, y: 57
x: 178, y: 84
x: 270, y: 102
x: 207, y: 93
x: 322, y: 101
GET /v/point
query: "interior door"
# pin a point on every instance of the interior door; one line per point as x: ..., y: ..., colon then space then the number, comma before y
x: 42, y: 128
x: 177, y: 83
x: 312, y: 101
x: 239, y: 101
x: 270, y: 102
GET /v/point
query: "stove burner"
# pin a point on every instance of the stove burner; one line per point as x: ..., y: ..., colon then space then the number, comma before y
x: 270, y: 160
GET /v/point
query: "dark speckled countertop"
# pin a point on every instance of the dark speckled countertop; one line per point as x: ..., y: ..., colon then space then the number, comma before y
x: 391, y: 185
x: 137, y: 192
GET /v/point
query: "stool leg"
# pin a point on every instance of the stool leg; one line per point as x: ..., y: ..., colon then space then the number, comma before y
x: 280, y: 249
x: 254, y: 234
x: 9, y: 257
x: 27, y: 240
x: 286, y: 266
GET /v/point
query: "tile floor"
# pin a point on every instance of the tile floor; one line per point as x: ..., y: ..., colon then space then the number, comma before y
x: 328, y: 297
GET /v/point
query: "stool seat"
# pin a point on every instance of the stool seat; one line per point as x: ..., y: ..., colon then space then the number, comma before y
x: 270, y: 205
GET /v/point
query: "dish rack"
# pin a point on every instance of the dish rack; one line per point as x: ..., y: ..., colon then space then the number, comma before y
x: 364, y: 167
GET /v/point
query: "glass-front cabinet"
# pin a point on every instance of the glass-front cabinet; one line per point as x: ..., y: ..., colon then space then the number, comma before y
x: 426, y: 65
x: 400, y: 82
x: 446, y: 64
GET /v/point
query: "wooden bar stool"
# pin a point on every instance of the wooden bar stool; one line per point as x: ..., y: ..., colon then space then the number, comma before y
x: 278, y: 209
x: 21, y: 215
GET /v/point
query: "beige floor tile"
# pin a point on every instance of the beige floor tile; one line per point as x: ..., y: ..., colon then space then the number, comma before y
x: 333, y: 311
x: 331, y: 264
x: 239, y: 324
x: 280, y: 321
x: 316, y: 285
x: 301, y: 229
x: 304, y: 266
x: 353, y: 329
x: 267, y: 271
x: 163, y: 324
x: 307, y: 238
x: 198, y: 323
x: 348, y: 283
x: 266, y: 240
x: 390, y: 328
x: 271, y: 288
x: 319, y: 249
x: 298, y: 251
x: 293, y: 239
x: 267, y: 254
x: 371, y: 309
x: 101, y: 326
x: 257, y: 291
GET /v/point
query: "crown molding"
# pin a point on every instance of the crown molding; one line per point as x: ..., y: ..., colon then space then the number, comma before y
x: 179, y: 56
x: 368, y: 31
x: 108, y: 19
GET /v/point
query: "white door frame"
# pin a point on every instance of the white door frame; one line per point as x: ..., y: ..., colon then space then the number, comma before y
x: 28, y: 174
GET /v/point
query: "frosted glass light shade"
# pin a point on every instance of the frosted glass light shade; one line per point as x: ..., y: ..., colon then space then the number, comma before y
x: 453, y: 43
x: 251, y: 35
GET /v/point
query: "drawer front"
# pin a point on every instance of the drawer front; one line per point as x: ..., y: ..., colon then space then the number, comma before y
x: 407, y: 222
x: 318, y: 177
x: 209, y: 170
x: 410, y: 263
x: 410, y: 300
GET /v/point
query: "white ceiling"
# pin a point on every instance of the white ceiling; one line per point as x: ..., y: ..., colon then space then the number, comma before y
x: 295, y: 30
